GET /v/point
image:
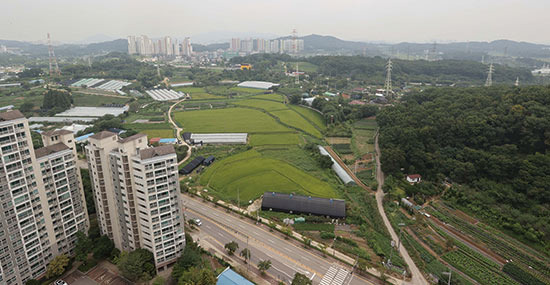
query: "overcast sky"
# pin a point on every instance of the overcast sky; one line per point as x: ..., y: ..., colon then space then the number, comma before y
x: 365, y: 20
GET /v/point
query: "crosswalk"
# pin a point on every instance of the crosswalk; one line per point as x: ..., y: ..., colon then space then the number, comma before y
x: 335, y: 276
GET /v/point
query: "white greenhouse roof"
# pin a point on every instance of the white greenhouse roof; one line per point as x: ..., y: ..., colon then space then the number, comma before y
x: 344, y: 176
x: 164, y: 94
x: 93, y: 111
x: 229, y: 138
x: 257, y: 84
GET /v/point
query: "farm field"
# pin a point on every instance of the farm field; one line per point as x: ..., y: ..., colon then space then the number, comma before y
x: 275, y: 139
x: 311, y: 116
x: 228, y: 120
x: 32, y: 96
x: 267, y: 105
x: 252, y: 174
x: 274, y: 97
x: 96, y: 100
x: 203, y: 96
x: 292, y: 118
x: 159, y: 130
x: 363, y: 141
x: 243, y: 90
x: 306, y: 66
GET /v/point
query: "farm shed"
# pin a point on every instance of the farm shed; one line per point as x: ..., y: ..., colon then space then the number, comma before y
x: 192, y: 165
x: 220, y: 138
x: 298, y: 204
x: 209, y: 160
x: 341, y: 172
x: 154, y: 140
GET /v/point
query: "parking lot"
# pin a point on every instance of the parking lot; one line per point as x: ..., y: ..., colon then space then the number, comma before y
x: 98, y: 275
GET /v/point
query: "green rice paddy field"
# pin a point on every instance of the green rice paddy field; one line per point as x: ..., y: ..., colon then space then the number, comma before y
x: 228, y: 120
x: 275, y: 139
x: 251, y: 174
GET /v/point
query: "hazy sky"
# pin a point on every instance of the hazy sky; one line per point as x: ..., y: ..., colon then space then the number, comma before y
x: 366, y: 20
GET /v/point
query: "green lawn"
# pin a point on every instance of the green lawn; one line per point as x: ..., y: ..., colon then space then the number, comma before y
x: 96, y: 100
x: 228, y: 120
x: 203, y: 96
x: 311, y: 115
x: 275, y: 139
x: 252, y: 174
x: 306, y: 66
x: 160, y: 130
x: 292, y: 118
x: 267, y: 105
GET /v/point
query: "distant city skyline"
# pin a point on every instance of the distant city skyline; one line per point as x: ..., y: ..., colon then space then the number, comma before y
x: 371, y: 21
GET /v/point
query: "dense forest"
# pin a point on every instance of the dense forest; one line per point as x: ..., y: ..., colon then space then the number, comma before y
x: 490, y: 143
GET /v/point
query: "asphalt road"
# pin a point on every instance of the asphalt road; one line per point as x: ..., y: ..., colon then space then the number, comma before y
x: 219, y: 227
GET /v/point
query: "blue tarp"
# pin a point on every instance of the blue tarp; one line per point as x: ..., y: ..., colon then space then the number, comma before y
x: 230, y: 277
x: 168, y: 140
x: 83, y: 138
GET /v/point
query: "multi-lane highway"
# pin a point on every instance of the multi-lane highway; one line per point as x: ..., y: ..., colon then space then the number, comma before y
x: 219, y: 227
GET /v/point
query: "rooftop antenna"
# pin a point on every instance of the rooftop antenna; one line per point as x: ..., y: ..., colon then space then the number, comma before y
x: 517, y: 82
x: 54, y: 68
x: 387, y: 85
x: 489, y: 81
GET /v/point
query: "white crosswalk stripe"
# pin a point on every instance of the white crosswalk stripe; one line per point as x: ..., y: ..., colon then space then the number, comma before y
x: 334, y: 276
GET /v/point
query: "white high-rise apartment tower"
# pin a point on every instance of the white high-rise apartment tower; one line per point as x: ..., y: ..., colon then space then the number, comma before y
x: 136, y: 192
x: 42, y: 203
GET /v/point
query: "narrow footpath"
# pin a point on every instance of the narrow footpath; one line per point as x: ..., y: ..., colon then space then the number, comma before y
x: 178, y: 132
x: 417, y: 277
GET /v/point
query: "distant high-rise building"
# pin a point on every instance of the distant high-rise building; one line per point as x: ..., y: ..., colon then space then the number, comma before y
x: 176, y: 48
x: 136, y: 190
x: 235, y: 44
x: 187, y: 49
x: 132, y: 45
x: 167, y: 47
x: 42, y: 204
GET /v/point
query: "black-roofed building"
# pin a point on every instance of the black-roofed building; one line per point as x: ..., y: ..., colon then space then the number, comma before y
x: 209, y: 160
x: 298, y: 204
x: 192, y: 165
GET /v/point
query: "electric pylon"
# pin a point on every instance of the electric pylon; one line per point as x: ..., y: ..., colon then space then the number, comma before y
x: 387, y: 85
x: 54, y: 68
x: 489, y: 80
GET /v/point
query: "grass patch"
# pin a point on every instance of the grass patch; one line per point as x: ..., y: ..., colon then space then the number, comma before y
x: 311, y: 116
x: 228, y: 120
x: 267, y: 105
x: 342, y: 148
x: 306, y: 66
x: 367, y: 124
x: 96, y: 100
x: 203, y: 96
x: 273, y: 97
x: 252, y: 174
x: 363, y: 141
x: 314, y: 227
x: 291, y: 118
x: 275, y: 139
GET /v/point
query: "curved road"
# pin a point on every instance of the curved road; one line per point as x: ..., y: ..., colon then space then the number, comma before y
x: 417, y: 277
x: 178, y: 132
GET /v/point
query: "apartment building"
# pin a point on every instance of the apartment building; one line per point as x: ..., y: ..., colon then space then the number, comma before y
x: 136, y: 191
x: 42, y: 204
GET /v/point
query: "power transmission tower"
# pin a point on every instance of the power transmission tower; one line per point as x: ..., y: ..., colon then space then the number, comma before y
x: 54, y: 68
x: 489, y: 81
x: 387, y: 85
x: 297, y: 75
x: 294, y: 42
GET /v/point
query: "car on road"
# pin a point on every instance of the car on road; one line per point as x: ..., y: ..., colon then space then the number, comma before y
x: 60, y: 282
x: 198, y: 222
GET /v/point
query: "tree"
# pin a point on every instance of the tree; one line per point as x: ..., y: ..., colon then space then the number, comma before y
x: 33, y: 282
x: 103, y: 247
x: 245, y: 253
x: 197, y: 276
x: 59, y: 100
x: 57, y: 266
x: 301, y: 279
x: 264, y: 265
x: 295, y: 99
x: 137, y: 265
x: 26, y: 107
x: 231, y: 247
x: 82, y: 247
x: 159, y: 281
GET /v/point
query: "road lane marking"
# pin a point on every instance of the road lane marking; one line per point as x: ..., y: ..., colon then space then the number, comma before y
x: 208, y: 226
x: 270, y: 240
x: 220, y: 234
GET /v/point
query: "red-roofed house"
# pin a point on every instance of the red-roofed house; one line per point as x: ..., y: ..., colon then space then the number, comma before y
x: 414, y: 178
x: 346, y: 96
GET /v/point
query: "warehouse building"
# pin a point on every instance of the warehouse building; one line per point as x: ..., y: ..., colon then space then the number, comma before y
x: 297, y: 204
x: 218, y: 138
x: 341, y: 172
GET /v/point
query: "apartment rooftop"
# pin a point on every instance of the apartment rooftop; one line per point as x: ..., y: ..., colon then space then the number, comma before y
x: 11, y: 115
x: 102, y: 135
x: 131, y: 138
x: 157, y: 151
x: 47, y: 150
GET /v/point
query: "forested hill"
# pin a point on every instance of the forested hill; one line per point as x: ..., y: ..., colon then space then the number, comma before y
x: 491, y: 143
x: 435, y: 72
